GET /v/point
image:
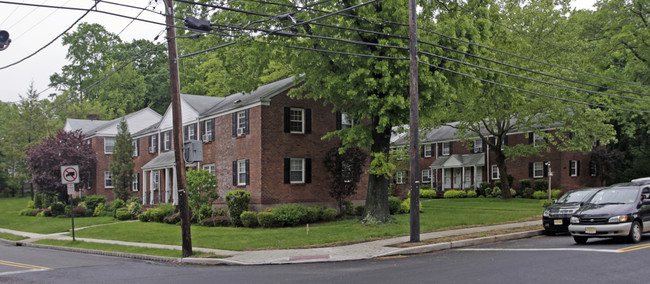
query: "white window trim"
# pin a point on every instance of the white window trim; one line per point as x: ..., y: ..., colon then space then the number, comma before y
x: 191, y: 132
x: 478, y: 145
x: 155, y: 180
x: 446, y: 148
x: 241, y: 170
x: 346, y: 122
x: 154, y: 145
x: 573, y: 168
x: 241, y: 122
x: 536, y: 168
x: 167, y: 136
x: 136, y: 148
x: 593, y: 169
x: 135, y: 186
x: 428, y: 175
x: 399, y: 177
x: 538, y: 140
x: 302, y: 171
x: 210, y: 168
x: 302, y: 120
x: 428, y: 150
x: 106, y: 139
x: 108, y: 177
x: 496, y: 175
x: 208, y: 130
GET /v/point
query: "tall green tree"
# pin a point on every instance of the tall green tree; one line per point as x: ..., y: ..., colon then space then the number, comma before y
x: 121, y: 166
x: 202, y: 190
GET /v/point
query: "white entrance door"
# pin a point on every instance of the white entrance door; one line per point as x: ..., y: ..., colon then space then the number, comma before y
x: 467, y: 179
x: 457, y: 178
x: 447, y: 183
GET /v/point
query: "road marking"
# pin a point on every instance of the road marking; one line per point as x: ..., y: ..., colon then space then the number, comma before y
x: 29, y: 267
x: 633, y: 248
x: 542, y: 249
x: 23, y: 271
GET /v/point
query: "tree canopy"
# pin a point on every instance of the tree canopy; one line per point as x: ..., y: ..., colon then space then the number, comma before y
x: 121, y: 166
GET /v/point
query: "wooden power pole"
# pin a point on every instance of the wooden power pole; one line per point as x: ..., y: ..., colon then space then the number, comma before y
x: 414, y: 125
x: 177, y: 135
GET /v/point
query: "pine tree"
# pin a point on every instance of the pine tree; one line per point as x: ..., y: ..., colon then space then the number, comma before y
x: 121, y: 166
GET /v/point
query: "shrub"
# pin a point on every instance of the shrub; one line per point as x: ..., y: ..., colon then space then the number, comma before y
x: 79, y: 211
x: 123, y: 214
x: 38, y: 201
x: 134, y: 208
x: 482, y: 187
x: 41, y: 213
x: 541, y: 184
x: 488, y: 192
x: 348, y: 208
x: 289, y: 214
x: 453, y: 193
x: 545, y: 203
x: 47, y: 212
x: 156, y: 215
x: 117, y: 204
x: 471, y: 194
x: 497, y: 184
x: 406, y: 206
x: 205, y: 211
x: 28, y: 212
x: 144, y: 217
x: 82, y: 204
x: 540, y: 195
x: 394, y: 205
x: 528, y: 192
x: 135, y: 199
x: 496, y: 192
x: 358, y: 211
x: 57, y: 209
x: 427, y: 193
x: 215, y: 221
x: 237, y: 202
x: 329, y: 214
x: 167, y: 209
x: 265, y: 219
x: 513, y: 192
x: 249, y: 219
x: 30, y: 204
x: 92, y: 201
x: 173, y: 219
x: 220, y: 212
x: 314, y: 214
x: 555, y: 193
x: 99, y: 210
x: 525, y: 183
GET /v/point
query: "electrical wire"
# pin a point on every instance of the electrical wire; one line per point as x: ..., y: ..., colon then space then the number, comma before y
x: 335, y: 52
x: 39, y: 22
x: 10, y: 14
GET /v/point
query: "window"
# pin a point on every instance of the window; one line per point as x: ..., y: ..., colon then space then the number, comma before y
x: 136, y: 148
x: 191, y: 131
x: 427, y: 150
x: 574, y: 168
x: 242, y: 172
x: 593, y: 169
x: 426, y: 176
x: 135, y: 186
x: 538, y: 140
x: 538, y: 169
x: 208, y: 126
x: 446, y: 149
x: 297, y: 171
x: 153, y: 143
x: 168, y: 140
x: 495, y: 172
x: 346, y: 121
x: 296, y: 120
x: 210, y: 168
x: 155, y: 180
x: 478, y: 145
x: 240, y: 123
x: 109, y: 144
x: 108, y: 179
x: 399, y: 177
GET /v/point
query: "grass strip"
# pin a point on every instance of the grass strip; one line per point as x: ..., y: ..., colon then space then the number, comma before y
x: 469, y: 236
x: 11, y: 237
x: 123, y: 249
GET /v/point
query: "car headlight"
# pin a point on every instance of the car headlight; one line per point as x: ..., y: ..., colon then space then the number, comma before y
x: 575, y: 220
x: 547, y: 213
x: 618, y: 219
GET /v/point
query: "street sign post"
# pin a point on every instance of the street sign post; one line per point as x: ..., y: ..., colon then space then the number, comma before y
x: 70, y: 176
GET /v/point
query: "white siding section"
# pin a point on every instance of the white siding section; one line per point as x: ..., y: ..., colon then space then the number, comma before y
x: 189, y: 115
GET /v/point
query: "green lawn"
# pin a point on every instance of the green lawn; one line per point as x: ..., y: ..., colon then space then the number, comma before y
x: 438, y: 214
x: 11, y: 237
x: 9, y: 219
x: 119, y: 248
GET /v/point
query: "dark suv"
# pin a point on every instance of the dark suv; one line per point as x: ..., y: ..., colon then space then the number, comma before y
x: 622, y: 210
x: 557, y: 215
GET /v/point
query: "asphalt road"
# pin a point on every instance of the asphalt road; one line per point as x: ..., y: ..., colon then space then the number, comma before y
x: 536, y: 260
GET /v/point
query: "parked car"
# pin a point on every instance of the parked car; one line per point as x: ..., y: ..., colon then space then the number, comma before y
x: 622, y: 210
x: 557, y: 215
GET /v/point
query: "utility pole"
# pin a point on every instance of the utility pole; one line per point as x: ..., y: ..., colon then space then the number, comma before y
x: 177, y: 135
x: 414, y: 124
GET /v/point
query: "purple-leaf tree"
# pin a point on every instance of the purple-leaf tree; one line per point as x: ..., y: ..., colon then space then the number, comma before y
x: 65, y: 148
x: 345, y: 170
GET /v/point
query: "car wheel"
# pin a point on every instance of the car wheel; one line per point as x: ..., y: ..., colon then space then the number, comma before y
x: 635, y: 232
x: 580, y: 240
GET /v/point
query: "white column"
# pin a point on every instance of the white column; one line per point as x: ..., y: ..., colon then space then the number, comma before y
x: 442, y: 183
x: 144, y: 187
x: 462, y: 178
x: 152, y: 188
x: 167, y: 185
x: 175, y: 187
x: 475, y: 179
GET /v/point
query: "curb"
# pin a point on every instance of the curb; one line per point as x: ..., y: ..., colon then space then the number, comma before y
x: 101, y: 252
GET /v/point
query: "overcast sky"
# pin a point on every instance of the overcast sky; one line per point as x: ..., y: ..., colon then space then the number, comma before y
x: 32, y: 28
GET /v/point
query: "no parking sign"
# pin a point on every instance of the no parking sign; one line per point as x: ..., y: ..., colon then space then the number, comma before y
x: 69, y: 174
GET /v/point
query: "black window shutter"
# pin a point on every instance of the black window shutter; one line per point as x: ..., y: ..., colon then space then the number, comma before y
x: 308, y: 120
x: 531, y: 138
x: 202, y: 128
x: 439, y: 149
x: 505, y: 140
x: 339, y: 122
x: 137, y: 147
x: 422, y: 151
x: 234, y: 124
x: 287, y: 118
x: 451, y: 150
x: 185, y: 134
x: 530, y: 169
x: 149, y: 146
x: 578, y: 167
x: 246, y: 128
x: 484, y: 146
x: 471, y: 150
x: 357, y: 173
x: 234, y: 173
x: 545, y: 168
x: 161, y: 138
x: 287, y: 170
x: 248, y: 173
x: 307, y: 170
x: 213, y: 133
x: 137, y: 176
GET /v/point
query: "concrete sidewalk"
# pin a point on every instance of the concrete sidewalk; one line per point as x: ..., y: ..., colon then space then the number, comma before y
x: 360, y: 251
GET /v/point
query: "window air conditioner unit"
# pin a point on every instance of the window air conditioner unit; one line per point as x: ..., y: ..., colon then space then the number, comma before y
x: 240, y: 131
x: 152, y: 150
x: 207, y: 137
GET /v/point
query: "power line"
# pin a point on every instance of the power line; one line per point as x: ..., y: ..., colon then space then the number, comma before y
x: 532, y: 92
x: 53, y: 40
x: 39, y: 22
x: 335, y: 52
x: 10, y: 14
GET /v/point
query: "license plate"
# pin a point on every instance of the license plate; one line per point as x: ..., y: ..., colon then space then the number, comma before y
x: 590, y: 230
x: 557, y: 222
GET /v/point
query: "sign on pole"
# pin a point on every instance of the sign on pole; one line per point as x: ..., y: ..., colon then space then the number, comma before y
x: 69, y: 174
x: 70, y: 188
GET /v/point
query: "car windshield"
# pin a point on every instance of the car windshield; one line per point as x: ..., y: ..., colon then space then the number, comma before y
x: 574, y: 196
x: 614, y: 196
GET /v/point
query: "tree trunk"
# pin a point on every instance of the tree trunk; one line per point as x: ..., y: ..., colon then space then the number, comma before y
x: 376, y: 209
x: 503, y: 174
